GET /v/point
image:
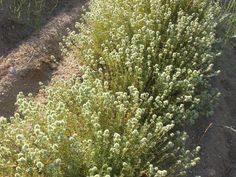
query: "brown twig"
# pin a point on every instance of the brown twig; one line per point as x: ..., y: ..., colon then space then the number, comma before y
x: 230, y: 128
x: 206, y: 130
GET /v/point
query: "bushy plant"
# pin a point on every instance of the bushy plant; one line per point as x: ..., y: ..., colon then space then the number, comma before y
x: 146, y: 66
x: 86, y: 130
x: 160, y: 47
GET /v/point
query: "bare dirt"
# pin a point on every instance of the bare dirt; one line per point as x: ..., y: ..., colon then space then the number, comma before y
x: 12, y: 32
x: 22, y: 68
x: 217, y: 135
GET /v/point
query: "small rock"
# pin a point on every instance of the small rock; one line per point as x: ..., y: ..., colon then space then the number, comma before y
x: 210, y: 172
x: 12, y: 70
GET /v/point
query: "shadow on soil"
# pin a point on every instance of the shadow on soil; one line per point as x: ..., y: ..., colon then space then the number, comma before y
x: 31, y: 58
x: 217, y: 135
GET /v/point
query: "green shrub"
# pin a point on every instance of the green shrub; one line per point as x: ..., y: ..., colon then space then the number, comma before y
x: 160, y: 47
x: 146, y: 66
x: 86, y: 130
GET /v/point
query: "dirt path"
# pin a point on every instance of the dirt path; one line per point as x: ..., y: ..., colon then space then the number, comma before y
x: 29, y: 63
x: 216, y: 135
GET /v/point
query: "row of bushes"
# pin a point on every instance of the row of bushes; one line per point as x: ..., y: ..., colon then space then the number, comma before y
x: 146, y: 67
x: 27, y: 11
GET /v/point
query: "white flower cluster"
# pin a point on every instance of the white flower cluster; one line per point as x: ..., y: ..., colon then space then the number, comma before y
x: 159, y: 47
x: 146, y: 66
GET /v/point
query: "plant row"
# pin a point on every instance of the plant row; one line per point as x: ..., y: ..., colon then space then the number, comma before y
x: 146, y: 66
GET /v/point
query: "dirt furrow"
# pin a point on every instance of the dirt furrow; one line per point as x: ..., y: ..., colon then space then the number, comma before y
x: 217, y: 135
x: 30, y: 62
